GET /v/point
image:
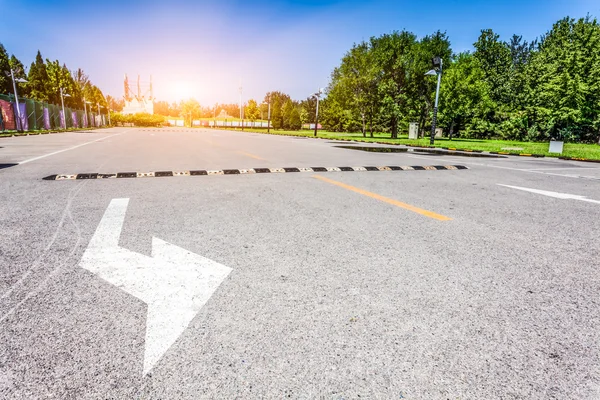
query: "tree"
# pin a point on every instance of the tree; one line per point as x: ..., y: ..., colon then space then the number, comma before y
x: 190, y: 110
x: 308, y: 110
x: 118, y: 104
x: 564, y: 82
x: 496, y: 63
x: 5, y: 80
x: 288, y: 108
x: 277, y: 100
x: 295, y: 123
x: 38, y: 79
x: 252, y: 111
x: 19, y: 73
x: 465, y: 98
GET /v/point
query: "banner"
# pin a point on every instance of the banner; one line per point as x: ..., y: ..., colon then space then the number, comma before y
x: 74, y: 116
x: 46, y: 118
x: 8, y: 116
x: 62, y: 119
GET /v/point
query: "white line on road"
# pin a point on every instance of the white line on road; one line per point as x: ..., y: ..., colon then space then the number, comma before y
x: 556, y: 195
x: 509, y: 168
x: 174, y: 283
x: 63, y: 150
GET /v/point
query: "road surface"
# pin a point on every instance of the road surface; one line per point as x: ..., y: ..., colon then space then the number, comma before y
x: 478, y: 283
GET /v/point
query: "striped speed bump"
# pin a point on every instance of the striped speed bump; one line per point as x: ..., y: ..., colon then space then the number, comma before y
x: 202, y: 172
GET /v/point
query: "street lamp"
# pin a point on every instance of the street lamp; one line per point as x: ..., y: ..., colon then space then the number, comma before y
x: 437, y: 70
x: 269, y: 116
x: 14, y: 81
x: 87, y: 117
x: 241, y: 107
x: 318, y: 96
x: 62, y: 101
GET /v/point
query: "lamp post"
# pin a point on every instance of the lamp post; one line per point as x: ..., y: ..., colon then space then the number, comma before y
x: 241, y: 108
x: 318, y: 96
x: 62, y: 101
x: 437, y: 70
x: 269, y: 115
x: 87, y: 117
x: 14, y: 81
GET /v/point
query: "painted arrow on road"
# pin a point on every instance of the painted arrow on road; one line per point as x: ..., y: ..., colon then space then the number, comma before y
x: 556, y: 195
x: 174, y: 283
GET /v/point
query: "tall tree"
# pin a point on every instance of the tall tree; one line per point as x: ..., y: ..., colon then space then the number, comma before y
x: 38, y: 79
x: 5, y: 81
x: 252, y: 112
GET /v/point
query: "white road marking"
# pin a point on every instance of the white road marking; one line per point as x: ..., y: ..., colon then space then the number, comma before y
x: 557, y: 195
x: 63, y: 150
x: 533, y: 171
x: 174, y: 282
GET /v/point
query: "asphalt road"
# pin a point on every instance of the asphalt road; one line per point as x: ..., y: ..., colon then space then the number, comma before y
x: 433, y: 284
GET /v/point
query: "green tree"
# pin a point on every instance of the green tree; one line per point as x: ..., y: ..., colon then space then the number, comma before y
x: 295, y: 123
x: 392, y: 54
x: 465, y: 98
x: 190, y: 110
x: 288, y: 108
x: 5, y: 80
x: 564, y: 83
x: 38, y: 79
x: 496, y: 63
x: 252, y: 112
x: 277, y: 100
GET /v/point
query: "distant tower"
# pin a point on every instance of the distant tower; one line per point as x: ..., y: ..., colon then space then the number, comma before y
x: 138, y: 102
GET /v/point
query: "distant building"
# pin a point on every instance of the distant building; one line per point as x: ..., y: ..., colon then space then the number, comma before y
x: 138, y: 101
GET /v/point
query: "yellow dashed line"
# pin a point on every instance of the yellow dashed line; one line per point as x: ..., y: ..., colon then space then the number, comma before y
x: 379, y: 197
x: 251, y: 155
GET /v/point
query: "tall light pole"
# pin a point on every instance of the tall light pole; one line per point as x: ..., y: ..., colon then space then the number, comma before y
x: 318, y: 96
x: 62, y: 101
x: 269, y: 115
x: 241, y: 107
x: 14, y: 81
x: 437, y: 70
x: 87, y: 117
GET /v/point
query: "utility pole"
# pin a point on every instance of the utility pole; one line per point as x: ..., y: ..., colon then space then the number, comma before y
x: 437, y: 70
x: 269, y: 117
x: 62, y: 101
x: 19, y: 117
x: 317, y: 95
x: 241, y: 107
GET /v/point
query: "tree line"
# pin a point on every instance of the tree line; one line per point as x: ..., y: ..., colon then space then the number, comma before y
x: 285, y: 112
x: 45, y: 78
x: 518, y: 90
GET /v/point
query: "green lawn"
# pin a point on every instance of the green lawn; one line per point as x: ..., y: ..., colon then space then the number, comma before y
x: 588, y: 151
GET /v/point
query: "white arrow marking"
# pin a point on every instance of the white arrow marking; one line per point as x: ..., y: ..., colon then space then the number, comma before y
x: 557, y: 195
x: 174, y: 282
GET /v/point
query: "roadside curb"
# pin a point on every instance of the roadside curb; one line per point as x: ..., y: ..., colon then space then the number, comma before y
x: 159, y: 174
x: 578, y: 159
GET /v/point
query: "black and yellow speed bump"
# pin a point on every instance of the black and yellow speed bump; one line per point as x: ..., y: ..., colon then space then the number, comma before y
x: 159, y: 174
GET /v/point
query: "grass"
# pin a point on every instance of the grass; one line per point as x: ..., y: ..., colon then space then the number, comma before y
x: 41, y: 132
x: 575, y: 150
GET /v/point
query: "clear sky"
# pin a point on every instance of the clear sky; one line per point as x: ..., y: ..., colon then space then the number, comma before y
x: 203, y: 49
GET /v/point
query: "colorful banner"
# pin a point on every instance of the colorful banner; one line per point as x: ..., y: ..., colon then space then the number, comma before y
x: 46, y: 118
x: 74, y: 116
x: 62, y: 119
x: 23, y: 121
x: 8, y: 115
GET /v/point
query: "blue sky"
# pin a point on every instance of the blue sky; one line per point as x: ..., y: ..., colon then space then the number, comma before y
x: 203, y: 49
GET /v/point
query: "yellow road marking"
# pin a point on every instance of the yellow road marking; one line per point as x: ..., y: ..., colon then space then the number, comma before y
x: 376, y: 196
x: 251, y: 155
